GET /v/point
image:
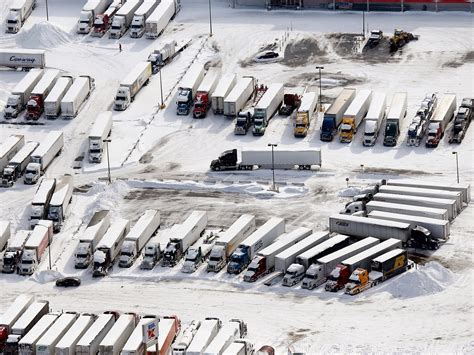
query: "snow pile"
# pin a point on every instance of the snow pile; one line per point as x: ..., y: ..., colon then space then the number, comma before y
x: 426, y: 280
x: 43, y: 35
x: 106, y: 197
x: 46, y: 276
x: 349, y: 192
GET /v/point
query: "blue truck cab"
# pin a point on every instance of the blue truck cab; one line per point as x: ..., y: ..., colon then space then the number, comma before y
x: 184, y: 101
x: 239, y: 260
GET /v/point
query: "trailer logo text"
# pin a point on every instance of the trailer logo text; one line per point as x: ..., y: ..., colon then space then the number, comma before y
x: 22, y: 60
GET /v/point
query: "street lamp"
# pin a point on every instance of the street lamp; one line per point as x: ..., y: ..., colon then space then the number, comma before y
x: 457, y: 165
x: 273, y: 165
x: 320, y: 87
x: 49, y: 249
x: 47, y: 11
x: 107, y: 141
x: 162, y: 106
x: 210, y: 20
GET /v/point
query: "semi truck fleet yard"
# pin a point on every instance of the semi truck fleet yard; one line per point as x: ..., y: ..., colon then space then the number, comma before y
x: 139, y: 215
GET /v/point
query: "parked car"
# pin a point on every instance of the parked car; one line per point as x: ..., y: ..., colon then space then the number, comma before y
x: 68, y: 282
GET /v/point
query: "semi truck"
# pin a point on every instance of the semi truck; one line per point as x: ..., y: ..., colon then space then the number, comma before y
x: 382, y: 268
x: 196, y: 255
x: 47, y: 343
x: 76, y: 95
x: 67, y: 344
x: 285, y: 262
x: 161, y: 56
x: 188, y: 88
x: 235, y: 101
x: 264, y: 262
x: 265, y: 159
x: 393, y: 123
x: 152, y: 254
x: 123, y: 18
x: 12, y: 314
x: 339, y: 276
x: 18, y: 13
x: 224, y: 87
x: 27, y: 344
x: 134, y: 344
x: 333, y: 115
x: 305, y: 113
x: 89, y: 343
x: 258, y: 240
x: 159, y: 19
x: 18, y: 164
x: 35, y: 247
x: 139, y: 235
x: 419, y: 124
x: 462, y: 121
x: 114, y: 341
x: 230, y: 331
x: 465, y: 189
x: 442, y: 115
x: 309, y: 258
x: 90, y: 10
x: 354, y: 115
x: 52, y: 103
x: 137, y: 28
x: 131, y: 85
x: 266, y: 108
x: 24, y: 325
x: 13, y: 251
x: 203, y: 337
x: 9, y: 148
x: 103, y: 21
x: 90, y: 239
x: 41, y: 201
x: 20, y: 94
x: 439, y: 228
x: 186, y: 235
x: 429, y: 212
x: 184, y: 339
x: 42, y: 156
x: 60, y: 201
x: 204, y: 92
x: 449, y: 205
x: 291, y: 102
x: 374, y: 118
x: 22, y: 58
x: 5, y: 233
x: 35, y: 104
x: 168, y: 329
x: 101, y: 129
x: 228, y: 241
x: 108, y: 249
x: 362, y: 227
x: 419, y: 191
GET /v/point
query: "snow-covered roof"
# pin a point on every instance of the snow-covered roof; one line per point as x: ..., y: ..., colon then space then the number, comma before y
x: 365, y: 220
x: 62, y: 84
x: 417, y: 191
x: 239, y: 88
x: 9, y: 143
x: 136, y: 72
x: 32, y: 76
x: 260, y: 232
x: 11, y: 314
x: 124, y: 321
x: 63, y: 323
x: 269, y: 95
x: 99, y: 324
x: 225, y: 85
x: 388, y: 255
x: 359, y: 100
x: 145, y: 7
x: 75, y: 332
x: 210, y: 79
x: 114, y: 232
x: 403, y: 207
x: 47, y: 143
x: 286, y: 240
x: 43, y: 189
x: 377, y: 106
x: 398, y: 105
x: 408, y: 218
x: 36, y: 237
x: 366, y: 242
x: 446, y: 102
x: 345, y: 95
x: 128, y: 7
x: 17, y: 241
x: 245, y: 222
x: 135, y: 339
x: 192, y: 75
x: 24, y: 152
x: 376, y: 249
x: 160, y: 10
x: 61, y: 191
x: 39, y: 329
x: 303, y: 245
x: 49, y: 76
x: 91, y: 5
x: 102, y: 122
x: 308, y: 100
x: 395, y: 197
x: 317, y: 249
x: 164, y: 328
x: 142, y: 224
x: 228, y: 330
x: 190, y: 223
x: 77, y: 86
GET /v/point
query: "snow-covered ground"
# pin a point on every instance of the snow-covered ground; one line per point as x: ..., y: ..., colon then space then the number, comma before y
x: 162, y: 161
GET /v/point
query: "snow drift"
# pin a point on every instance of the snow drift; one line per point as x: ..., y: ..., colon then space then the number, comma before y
x: 43, y: 35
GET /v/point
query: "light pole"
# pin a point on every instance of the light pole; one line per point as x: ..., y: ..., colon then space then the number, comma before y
x: 273, y: 165
x: 210, y: 19
x: 457, y: 165
x: 49, y: 249
x: 320, y: 88
x: 107, y: 141
x: 47, y: 11
x: 363, y: 23
x: 162, y: 106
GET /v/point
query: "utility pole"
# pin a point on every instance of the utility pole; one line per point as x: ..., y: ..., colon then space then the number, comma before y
x: 210, y: 19
x: 162, y: 106
x: 273, y: 166
x: 457, y: 165
x: 107, y: 141
x: 320, y: 88
x: 49, y: 250
x: 47, y: 11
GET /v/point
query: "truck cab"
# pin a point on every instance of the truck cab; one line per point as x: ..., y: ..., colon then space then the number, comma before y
x: 217, y: 259
x: 201, y: 105
x: 13, y: 106
x: 435, y: 134
x: 184, y: 101
x: 28, y: 262
x: 118, y: 27
x: 358, y: 282
x: 9, y: 175
x: 10, y: 261
x: 137, y: 28
x: 156, y: 60
x: 354, y: 207
x: 13, y: 21
x: 83, y: 256
x: 172, y: 254
x: 238, y: 261
x: 371, y: 133
x: 102, y: 263
x: 193, y: 259
x: 243, y: 123
x: 256, y: 268
x: 151, y: 256
x: 56, y: 214
x: 259, y: 124
x: 294, y: 274
x: 392, y: 131
x: 301, y: 124
x: 227, y: 160
x: 337, y: 278
x: 85, y: 22
x: 101, y: 25
x: 348, y: 130
x: 95, y: 150
x: 34, y: 107
x: 328, y: 129
x: 128, y: 254
x: 421, y: 238
x: 313, y: 277
x: 32, y: 173
x: 122, y: 99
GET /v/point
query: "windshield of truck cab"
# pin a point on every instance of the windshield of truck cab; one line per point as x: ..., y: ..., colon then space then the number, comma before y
x: 27, y: 262
x: 94, y: 151
x: 346, y: 128
x: 390, y: 130
x: 196, y: 105
x: 120, y: 98
x: 8, y: 261
x: 136, y: 26
x: 214, y: 258
x: 240, y: 123
x: 126, y: 253
x: 81, y: 256
x: 12, y: 22
x: 235, y: 258
x: 354, y: 278
x: 311, y: 276
x: 334, y: 275
x: 30, y: 171
x: 300, y: 125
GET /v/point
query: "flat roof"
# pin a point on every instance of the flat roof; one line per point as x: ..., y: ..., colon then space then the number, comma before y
x: 9, y: 143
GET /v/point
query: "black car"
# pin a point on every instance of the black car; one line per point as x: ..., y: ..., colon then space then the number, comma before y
x: 68, y: 282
